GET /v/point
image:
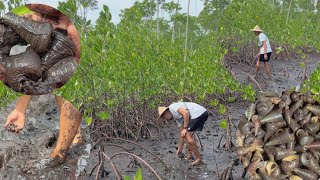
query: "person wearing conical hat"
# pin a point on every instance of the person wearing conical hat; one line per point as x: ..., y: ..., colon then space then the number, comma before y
x: 265, y: 50
x: 190, y: 117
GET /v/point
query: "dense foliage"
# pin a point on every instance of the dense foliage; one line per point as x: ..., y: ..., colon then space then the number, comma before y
x: 142, y: 61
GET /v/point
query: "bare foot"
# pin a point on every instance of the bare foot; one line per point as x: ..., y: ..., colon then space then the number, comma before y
x: 57, y: 158
x: 15, y: 121
x: 196, y: 162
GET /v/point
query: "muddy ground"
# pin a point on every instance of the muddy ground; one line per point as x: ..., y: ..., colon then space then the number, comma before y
x: 284, y: 74
x: 33, y: 145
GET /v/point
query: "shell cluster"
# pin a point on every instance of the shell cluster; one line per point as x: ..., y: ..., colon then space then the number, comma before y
x: 280, y: 137
x: 47, y: 64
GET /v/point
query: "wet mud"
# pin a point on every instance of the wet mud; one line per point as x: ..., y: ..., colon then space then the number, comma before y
x: 284, y: 74
x: 43, y: 67
x: 26, y: 155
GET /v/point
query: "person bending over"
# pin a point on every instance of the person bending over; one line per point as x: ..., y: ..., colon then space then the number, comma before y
x: 190, y: 117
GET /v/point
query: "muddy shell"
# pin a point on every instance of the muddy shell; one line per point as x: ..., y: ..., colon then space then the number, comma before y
x: 23, y: 69
x: 37, y: 34
x: 310, y: 162
x: 306, y: 174
x: 55, y: 77
x: 61, y: 47
x: 290, y: 133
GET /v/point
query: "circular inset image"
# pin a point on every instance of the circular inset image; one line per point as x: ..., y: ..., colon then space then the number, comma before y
x: 40, y: 49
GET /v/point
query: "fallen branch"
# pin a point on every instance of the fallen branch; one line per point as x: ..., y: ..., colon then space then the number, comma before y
x: 227, y: 173
x: 120, y: 139
x: 154, y: 172
x: 253, y: 80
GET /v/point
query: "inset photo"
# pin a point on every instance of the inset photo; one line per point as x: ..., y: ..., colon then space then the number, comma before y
x: 39, y: 48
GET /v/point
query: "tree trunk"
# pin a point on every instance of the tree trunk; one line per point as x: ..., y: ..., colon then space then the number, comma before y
x: 186, y: 47
x: 174, y: 23
x: 282, y: 6
x: 158, y: 25
x: 187, y: 30
x: 289, y: 12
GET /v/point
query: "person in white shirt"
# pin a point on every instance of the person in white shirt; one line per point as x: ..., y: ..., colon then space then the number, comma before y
x: 190, y: 117
x: 265, y: 50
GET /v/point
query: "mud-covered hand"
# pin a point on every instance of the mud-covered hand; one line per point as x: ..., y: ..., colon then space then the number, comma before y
x: 15, y: 121
x: 183, y: 132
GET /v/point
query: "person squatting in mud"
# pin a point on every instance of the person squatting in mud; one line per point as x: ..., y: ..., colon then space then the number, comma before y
x: 265, y: 51
x: 190, y: 117
x: 70, y: 116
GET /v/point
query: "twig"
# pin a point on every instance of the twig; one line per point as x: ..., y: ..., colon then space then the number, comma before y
x: 227, y: 173
x: 154, y: 172
x: 215, y: 161
x: 228, y: 137
x: 253, y: 80
x: 113, y: 166
x: 120, y: 139
x: 220, y: 141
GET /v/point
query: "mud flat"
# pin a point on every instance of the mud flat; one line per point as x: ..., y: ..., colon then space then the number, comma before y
x: 34, y: 144
x: 284, y: 74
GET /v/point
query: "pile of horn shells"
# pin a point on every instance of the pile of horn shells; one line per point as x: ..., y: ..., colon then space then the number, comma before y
x: 280, y: 137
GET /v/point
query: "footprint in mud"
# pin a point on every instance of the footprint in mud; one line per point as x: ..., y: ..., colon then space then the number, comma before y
x: 51, y: 140
x: 34, y: 167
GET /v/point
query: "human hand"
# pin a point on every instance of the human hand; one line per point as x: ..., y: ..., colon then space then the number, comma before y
x: 183, y: 132
x: 17, y: 119
x: 265, y: 57
x: 257, y: 56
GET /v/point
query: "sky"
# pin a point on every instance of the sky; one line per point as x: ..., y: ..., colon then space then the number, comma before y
x: 116, y: 6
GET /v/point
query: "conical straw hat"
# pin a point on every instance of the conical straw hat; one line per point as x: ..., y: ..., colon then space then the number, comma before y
x: 161, y: 110
x: 256, y: 28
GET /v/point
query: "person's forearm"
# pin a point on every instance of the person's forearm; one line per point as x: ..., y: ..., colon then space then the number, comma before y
x: 265, y: 47
x: 186, y: 120
x: 22, y: 103
x: 180, y: 143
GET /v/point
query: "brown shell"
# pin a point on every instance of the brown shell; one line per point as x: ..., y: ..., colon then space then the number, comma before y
x: 289, y: 163
x: 283, y: 138
x: 23, y: 69
x: 264, y: 107
x: 306, y: 174
x: 310, y: 162
x: 312, y: 128
x: 315, y: 109
x: 314, y: 145
x: 35, y: 33
x: 281, y: 153
x: 246, y: 127
x: 61, y: 47
x: 273, y: 116
x: 298, y: 104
